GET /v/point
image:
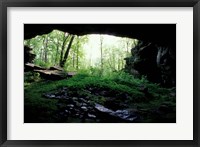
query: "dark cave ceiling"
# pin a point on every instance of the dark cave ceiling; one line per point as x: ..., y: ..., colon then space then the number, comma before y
x: 161, y: 34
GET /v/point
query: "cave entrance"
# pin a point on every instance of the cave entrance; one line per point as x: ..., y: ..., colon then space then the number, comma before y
x: 83, y: 78
x: 95, y: 52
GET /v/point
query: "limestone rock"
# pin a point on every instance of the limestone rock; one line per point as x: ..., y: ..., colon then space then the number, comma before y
x: 157, y: 63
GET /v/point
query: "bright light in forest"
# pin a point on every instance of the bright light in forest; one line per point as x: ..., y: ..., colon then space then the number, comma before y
x: 97, y: 50
x: 92, y: 47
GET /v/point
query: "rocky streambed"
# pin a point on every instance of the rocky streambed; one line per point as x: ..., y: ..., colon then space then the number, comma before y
x: 83, y: 108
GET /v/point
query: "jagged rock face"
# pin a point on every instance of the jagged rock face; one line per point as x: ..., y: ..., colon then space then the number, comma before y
x: 166, y: 62
x: 157, y: 63
x: 28, y: 55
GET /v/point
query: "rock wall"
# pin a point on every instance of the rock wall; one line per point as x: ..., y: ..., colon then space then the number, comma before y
x: 162, y: 34
x: 157, y: 63
x: 28, y: 55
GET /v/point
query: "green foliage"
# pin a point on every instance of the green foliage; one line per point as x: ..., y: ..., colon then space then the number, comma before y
x: 37, y: 108
x: 31, y: 77
x: 92, y: 79
x: 119, y: 85
x: 47, y: 49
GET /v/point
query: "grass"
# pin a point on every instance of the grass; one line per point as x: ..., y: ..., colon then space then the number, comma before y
x: 120, y: 85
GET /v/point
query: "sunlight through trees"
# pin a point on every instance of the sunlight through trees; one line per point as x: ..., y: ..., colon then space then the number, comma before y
x: 73, y: 53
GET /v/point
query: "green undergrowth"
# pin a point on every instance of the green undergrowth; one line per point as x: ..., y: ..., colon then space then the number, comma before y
x: 121, y: 86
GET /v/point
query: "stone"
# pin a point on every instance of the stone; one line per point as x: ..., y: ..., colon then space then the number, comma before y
x: 102, y: 108
x: 58, y: 97
x: 75, y: 99
x: 91, y: 115
x: 49, y: 95
x: 77, y: 114
x: 125, y: 115
x: 67, y: 111
x: 56, y: 68
x: 84, y: 108
x: 51, y: 74
x: 83, y: 104
x: 118, y: 115
x: 77, y: 104
x: 82, y: 100
x: 87, y: 97
x: 70, y: 105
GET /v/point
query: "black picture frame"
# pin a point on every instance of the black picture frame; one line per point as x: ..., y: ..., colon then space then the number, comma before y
x: 4, y: 4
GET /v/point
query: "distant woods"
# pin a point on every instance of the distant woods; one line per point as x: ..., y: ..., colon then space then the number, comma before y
x: 72, y: 52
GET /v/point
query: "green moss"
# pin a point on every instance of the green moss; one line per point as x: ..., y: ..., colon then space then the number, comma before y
x: 119, y: 85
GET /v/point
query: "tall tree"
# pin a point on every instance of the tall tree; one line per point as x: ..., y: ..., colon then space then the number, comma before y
x: 45, y: 43
x: 57, y: 50
x: 101, y: 49
x: 73, y: 59
x: 57, y: 46
x: 65, y: 37
x: 77, y: 53
x: 62, y: 63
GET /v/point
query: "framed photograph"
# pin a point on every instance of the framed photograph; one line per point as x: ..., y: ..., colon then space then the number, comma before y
x: 110, y: 73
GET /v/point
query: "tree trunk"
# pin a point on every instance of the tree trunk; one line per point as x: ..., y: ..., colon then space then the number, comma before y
x: 73, y: 59
x: 114, y: 61
x: 56, y: 57
x: 101, y: 48
x: 77, y: 49
x: 122, y: 62
x: 63, y: 48
x: 41, y: 53
x: 46, y: 50
x: 118, y: 66
x: 67, y: 52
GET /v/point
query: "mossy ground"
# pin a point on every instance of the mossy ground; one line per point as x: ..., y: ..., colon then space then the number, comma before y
x: 134, y: 93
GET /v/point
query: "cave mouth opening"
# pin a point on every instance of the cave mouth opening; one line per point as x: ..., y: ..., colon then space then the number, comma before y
x: 154, y: 56
x: 73, y: 53
x: 83, y: 79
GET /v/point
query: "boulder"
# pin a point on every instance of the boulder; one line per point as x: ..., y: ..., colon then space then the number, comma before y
x: 157, y: 63
x: 116, y: 116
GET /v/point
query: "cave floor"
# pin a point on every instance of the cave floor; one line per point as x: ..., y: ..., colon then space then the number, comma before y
x: 84, y: 99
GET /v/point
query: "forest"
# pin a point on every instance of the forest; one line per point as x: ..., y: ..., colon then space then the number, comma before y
x: 89, y: 79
